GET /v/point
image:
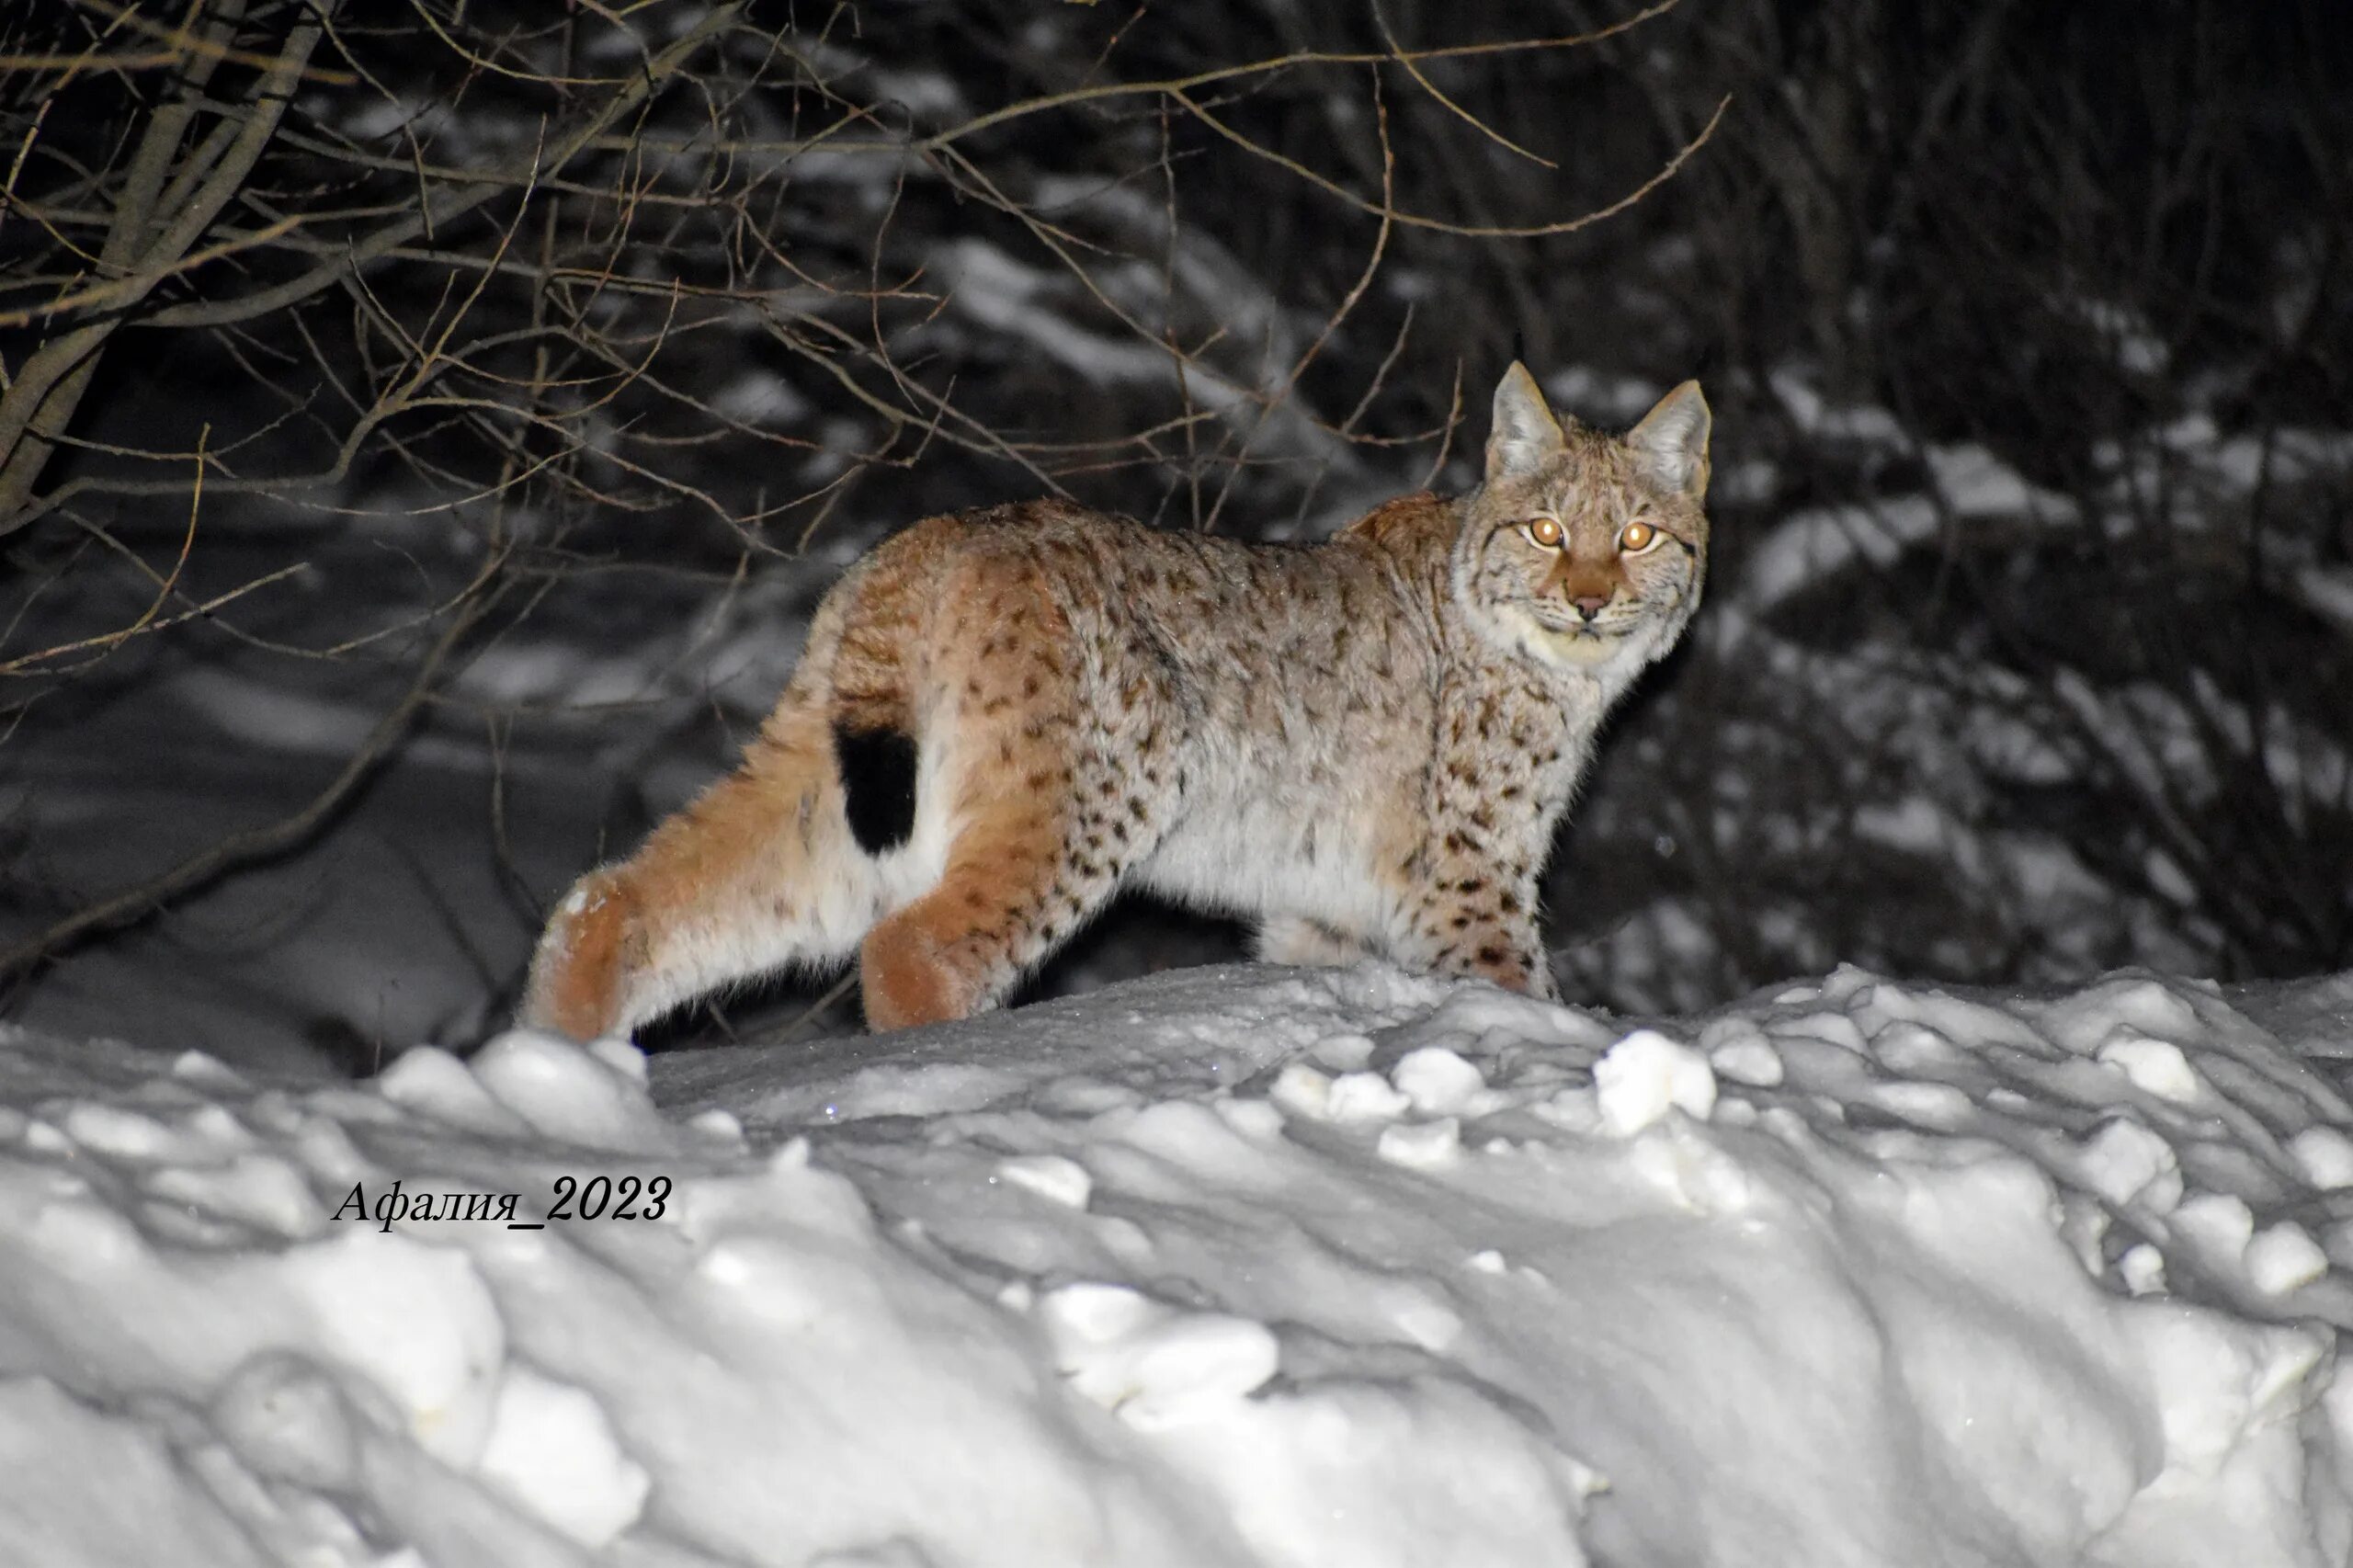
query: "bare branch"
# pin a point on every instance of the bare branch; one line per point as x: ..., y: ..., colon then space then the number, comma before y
x: 201, y: 870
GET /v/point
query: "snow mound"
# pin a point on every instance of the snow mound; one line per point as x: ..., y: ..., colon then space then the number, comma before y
x: 1238, y: 1265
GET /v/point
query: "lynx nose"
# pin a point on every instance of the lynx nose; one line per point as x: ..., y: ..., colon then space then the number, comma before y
x: 1589, y: 605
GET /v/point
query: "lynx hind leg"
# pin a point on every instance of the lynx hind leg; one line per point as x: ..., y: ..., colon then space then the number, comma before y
x: 1290, y: 939
x: 1001, y: 906
x: 759, y: 873
x: 1042, y: 823
x: 1046, y: 833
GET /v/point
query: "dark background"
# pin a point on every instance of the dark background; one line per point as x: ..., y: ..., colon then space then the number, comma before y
x: 2026, y: 327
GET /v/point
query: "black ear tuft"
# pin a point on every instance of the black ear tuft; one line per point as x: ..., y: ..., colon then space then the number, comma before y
x: 878, y: 785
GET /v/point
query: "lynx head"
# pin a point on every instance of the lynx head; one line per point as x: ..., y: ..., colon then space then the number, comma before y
x: 1582, y: 551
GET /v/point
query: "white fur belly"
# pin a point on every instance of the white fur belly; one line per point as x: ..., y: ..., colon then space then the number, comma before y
x: 1260, y: 862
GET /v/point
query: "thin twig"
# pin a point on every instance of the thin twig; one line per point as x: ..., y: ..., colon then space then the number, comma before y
x: 241, y: 849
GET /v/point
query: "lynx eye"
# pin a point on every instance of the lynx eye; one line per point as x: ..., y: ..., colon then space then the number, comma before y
x: 1545, y: 533
x: 1636, y: 538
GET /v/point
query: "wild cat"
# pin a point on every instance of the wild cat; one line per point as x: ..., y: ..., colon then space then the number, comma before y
x: 1004, y: 717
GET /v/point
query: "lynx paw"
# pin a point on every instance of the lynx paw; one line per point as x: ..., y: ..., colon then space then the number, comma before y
x: 907, y: 979
x: 583, y: 959
x: 1286, y: 940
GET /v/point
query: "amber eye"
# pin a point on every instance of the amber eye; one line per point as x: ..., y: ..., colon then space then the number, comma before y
x: 1544, y: 532
x: 1637, y: 537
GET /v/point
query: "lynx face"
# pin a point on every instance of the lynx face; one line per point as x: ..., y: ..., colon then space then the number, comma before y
x: 1582, y: 551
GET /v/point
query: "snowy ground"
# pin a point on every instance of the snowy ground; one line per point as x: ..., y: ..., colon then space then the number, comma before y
x: 1234, y: 1266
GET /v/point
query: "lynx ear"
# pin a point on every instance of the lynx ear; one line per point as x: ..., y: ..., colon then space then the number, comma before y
x: 1672, y: 442
x: 1526, y: 434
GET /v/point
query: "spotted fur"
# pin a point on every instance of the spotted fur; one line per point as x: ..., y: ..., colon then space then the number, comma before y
x: 1004, y: 717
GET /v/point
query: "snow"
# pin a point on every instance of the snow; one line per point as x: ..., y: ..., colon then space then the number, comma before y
x: 1645, y: 1076
x: 1231, y: 1266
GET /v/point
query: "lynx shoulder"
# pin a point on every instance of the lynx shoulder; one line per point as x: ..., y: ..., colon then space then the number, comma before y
x: 1004, y: 717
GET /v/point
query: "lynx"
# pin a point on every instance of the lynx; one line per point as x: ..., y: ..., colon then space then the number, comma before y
x: 1002, y: 718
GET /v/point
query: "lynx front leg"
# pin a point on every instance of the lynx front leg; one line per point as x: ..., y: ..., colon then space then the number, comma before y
x: 759, y: 872
x: 1470, y: 920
